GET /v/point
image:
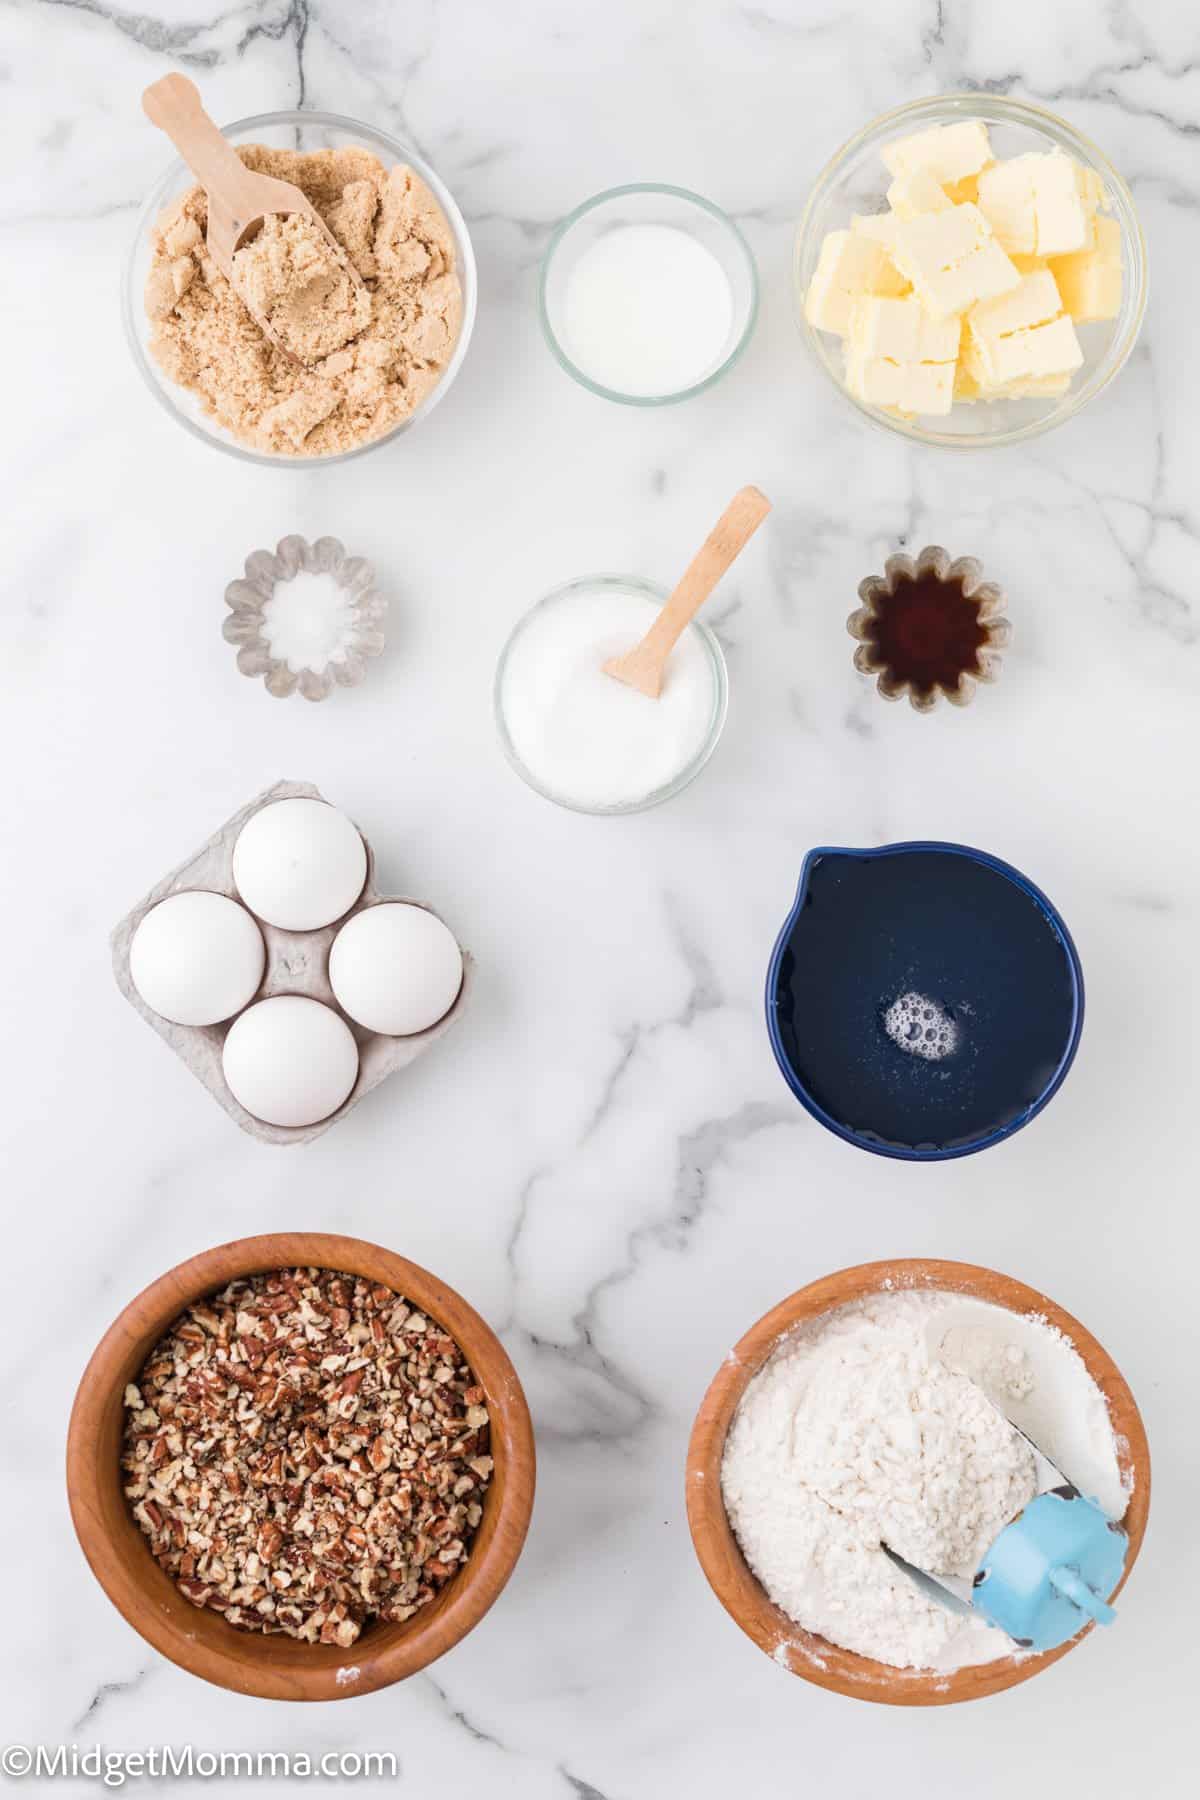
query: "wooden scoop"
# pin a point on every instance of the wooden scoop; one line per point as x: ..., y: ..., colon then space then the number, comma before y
x: 238, y: 199
x: 642, y: 667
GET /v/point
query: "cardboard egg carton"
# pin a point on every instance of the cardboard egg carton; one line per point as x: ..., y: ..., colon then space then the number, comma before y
x: 297, y: 963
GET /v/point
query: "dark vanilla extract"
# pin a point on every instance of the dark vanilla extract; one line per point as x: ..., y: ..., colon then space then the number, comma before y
x: 927, y: 632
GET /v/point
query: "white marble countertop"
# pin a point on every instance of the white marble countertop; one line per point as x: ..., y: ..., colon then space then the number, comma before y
x: 602, y: 1157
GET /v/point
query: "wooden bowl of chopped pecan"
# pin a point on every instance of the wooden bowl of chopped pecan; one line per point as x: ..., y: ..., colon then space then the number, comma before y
x: 300, y: 1466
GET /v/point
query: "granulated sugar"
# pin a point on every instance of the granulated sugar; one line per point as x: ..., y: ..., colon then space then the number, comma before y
x: 876, y: 1425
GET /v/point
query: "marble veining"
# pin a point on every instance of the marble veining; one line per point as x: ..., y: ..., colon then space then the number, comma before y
x: 603, y: 1159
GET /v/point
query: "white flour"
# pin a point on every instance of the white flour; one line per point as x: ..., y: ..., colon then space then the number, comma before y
x: 856, y: 1431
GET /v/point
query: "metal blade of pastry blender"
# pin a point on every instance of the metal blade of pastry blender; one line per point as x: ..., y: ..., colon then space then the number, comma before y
x: 951, y: 1591
x: 1047, y: 1476
x: 955, y: 1591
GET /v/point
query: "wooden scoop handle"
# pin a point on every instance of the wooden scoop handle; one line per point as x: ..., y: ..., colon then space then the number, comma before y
x: 642, y: 667
x: 727, y: 539
x: 174, y: 105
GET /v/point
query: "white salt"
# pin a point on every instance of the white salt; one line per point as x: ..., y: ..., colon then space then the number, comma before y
x: 308, y: 622
x: 648, y: 310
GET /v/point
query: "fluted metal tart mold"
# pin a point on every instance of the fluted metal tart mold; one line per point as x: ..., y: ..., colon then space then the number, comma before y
x: 932, y: 560
x: 267, y: 570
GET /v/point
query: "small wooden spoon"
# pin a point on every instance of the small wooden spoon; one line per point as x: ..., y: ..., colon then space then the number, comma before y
x: 642, y: 667
x: 238, y: 199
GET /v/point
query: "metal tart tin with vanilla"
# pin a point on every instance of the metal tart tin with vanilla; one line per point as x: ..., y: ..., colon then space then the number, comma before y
x: 929, y: 628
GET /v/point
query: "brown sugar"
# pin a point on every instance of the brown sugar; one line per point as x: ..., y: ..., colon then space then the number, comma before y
x: 376, y: 352
x: 290, y: 275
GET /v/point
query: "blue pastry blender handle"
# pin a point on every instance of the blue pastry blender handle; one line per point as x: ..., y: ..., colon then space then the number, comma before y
x: 1051, y: 1570
x: 1072, y: 1587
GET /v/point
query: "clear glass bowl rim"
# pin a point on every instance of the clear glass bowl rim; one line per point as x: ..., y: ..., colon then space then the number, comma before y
x: 153, y: 205
x: 653, y: 591
x: 618, y: 193
x: 1001, y: 109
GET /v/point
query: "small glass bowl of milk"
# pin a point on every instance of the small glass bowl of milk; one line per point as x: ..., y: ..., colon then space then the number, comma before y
x: 585, y: 740
x: 648, y: 294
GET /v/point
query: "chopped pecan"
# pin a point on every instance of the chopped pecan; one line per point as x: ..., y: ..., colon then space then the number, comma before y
x: 322, y: 1446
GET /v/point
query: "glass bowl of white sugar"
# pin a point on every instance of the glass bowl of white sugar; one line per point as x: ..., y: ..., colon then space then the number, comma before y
x: 648, y: 294
x: 583, y: 739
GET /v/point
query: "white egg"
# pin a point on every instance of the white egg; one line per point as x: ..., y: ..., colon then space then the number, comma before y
x: 197, y: 958
x: 290, y: 1060
x: 299, y: 864
x: 395, y: 968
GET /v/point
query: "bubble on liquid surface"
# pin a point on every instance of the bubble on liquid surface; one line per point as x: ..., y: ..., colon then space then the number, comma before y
x: 921, y: 1027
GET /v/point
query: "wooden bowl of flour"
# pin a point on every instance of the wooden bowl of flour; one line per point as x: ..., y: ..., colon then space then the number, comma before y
x: 737, y: 1588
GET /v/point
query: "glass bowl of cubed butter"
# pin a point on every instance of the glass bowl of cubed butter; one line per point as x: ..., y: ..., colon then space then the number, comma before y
x: 970, y: 271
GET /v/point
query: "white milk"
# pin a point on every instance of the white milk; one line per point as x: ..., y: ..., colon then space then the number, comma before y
x: 647, y: 310
x: 586, y: 739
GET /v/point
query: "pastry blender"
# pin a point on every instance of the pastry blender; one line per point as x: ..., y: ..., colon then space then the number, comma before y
x: 1048, y: 1574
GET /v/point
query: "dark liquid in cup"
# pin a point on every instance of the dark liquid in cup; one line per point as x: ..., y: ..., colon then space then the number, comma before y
x: 927, y: 632
x: 932, y: 952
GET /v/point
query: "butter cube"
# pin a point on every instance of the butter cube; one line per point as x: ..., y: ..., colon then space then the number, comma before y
x: 880, y: 226
x: 947, y: 152
x: 1051, y: 349
x: 1061, y: 195
x: 916, y: 191
x: 935, y: 241
x: 969, y: 387
x: 1090, y: 280
x: 1006, y: 202
x: 1040, y: 204
x: 1034, y: 301
x: 952, y: 260
x: 849, y: 266
x: 898, y: 357
x: 901, y: 387
x: 902, y: 331
x: 1020, y: 341
x: 1037, y: 386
